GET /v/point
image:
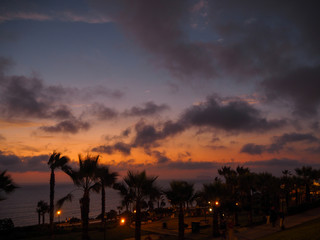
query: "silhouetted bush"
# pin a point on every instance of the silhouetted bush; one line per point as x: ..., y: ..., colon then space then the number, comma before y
x: 6, y: 224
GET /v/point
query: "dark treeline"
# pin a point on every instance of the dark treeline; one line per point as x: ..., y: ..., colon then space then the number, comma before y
x: 236, y: 192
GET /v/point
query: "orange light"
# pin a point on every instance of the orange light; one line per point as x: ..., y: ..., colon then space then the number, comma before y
x: 217, y: 203
x: 134, y: 211
x: 237, y: 204
x: 122, y: 221
x: 59, y: 212
x: 210, y: 209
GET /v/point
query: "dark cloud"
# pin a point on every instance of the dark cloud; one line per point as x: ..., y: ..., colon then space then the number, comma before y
x: 21, y: 96
x: 121, y: 147
x: 184, y: 165
x: 29, y: 97
x: 124, y: 165
x: 215, y: 147
x: 160, y: 157
x: 250, y: 37
x: 270, y: 41
x: 299, y: 86
x: 2, y: 137
x: 72, y: 126
x: 148, y: 135
x: 149, y: 21
x: 313, y: 150
x: 279, y: 142
x: 149, y: 108
x: 102, y: 112
x: 234, y: 116
x: 14, y: 163
x: 253, y: 149
x: 126, y: 132
x: 275, y: 162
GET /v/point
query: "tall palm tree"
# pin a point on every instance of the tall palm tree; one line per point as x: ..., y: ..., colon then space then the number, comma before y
x: 56, y: 161
x: 138, y: 186
x: 86, y: 178
x: 179, y: 194
x: 6, y: 184
x: 42, y: 209
x: 107, y: 179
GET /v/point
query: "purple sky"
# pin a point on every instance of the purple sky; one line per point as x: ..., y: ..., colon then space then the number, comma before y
x: 178, y: 88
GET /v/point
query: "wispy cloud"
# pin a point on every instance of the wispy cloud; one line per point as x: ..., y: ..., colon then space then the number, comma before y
x: 66, y: 16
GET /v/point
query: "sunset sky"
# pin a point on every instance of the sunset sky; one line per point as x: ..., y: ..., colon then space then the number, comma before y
x: 179, y: 88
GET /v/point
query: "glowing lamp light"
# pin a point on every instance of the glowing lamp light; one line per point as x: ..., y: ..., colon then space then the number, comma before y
x: 58, y: 213
x: 216, y: 203
x: 134, y: 211
x: 210, y: 209
x: 122, y: 221
x: 237, y: 204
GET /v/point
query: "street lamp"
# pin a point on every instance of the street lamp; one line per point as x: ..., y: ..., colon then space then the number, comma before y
x: 58, y: 213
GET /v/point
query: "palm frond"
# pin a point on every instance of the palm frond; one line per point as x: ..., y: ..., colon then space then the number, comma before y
x: 67, y: 198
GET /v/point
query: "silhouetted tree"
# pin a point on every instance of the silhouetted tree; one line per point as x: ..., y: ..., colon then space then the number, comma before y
x: 178, y: 194
x: 107, y: 179
x: 6, y: 184
x: 56, y: 161
x: 42, y: 209
x: 308, y: 175
x: 86, y: 178
x: 138, y: 186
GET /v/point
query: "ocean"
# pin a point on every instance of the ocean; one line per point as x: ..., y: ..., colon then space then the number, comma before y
x: 21, y: 205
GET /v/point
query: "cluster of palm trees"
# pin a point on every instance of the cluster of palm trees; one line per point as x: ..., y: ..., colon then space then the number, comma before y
x: 89, y: 177
x: 238, y: 190
x: 42, y: 209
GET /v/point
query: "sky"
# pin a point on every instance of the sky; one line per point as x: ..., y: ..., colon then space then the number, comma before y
x: 176, y: 88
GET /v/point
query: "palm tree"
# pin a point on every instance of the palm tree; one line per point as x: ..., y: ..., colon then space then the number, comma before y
x: 107, y: 179
x: 42, y: 209
x: 178, y: 194
x: 308, y: 175
x: 56, y: 161
x: 216, y: 193
x: 287, y: 185
x: 6, y: 184
x: 138, y: 186
x: 127, y: 196
x: 86, y: 178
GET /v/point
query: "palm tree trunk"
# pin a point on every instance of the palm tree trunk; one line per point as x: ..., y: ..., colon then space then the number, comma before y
x: 52, y: 183
x: 215, y: 223
x: 103, y: 203
x: 307, y: 193
x: 43, y: 218
x: 39, y: 217
x: 138, y: 221
x: 84, y: 204
x: 181, y: 223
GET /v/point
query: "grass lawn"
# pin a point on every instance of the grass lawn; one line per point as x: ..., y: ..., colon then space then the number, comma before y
x: 309, y: 230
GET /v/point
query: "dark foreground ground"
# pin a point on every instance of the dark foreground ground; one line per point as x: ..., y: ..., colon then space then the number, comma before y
x: 297, y: 227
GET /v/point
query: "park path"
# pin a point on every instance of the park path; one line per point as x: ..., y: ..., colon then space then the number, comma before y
x: 243, y: 233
